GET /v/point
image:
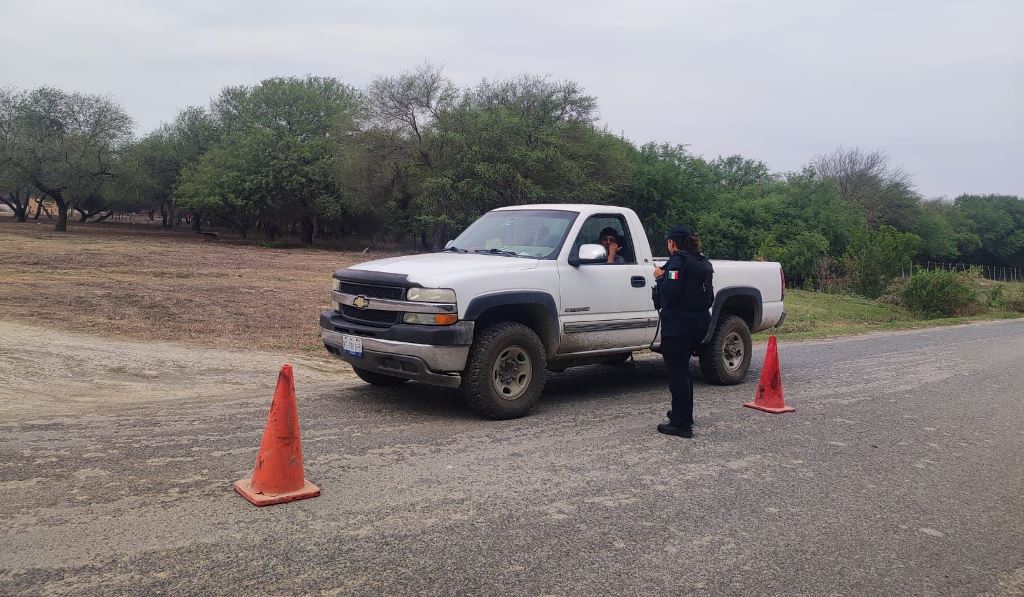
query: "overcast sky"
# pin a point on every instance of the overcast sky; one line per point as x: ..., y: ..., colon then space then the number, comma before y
x: 936, y: 84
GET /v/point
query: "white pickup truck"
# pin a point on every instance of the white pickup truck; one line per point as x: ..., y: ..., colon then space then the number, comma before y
x: 523, y: 291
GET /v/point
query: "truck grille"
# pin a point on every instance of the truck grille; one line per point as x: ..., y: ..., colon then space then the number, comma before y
x: 393, y: 293
x: 372, y: 317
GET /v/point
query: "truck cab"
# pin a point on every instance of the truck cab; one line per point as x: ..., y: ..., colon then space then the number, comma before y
x: 526, y: 290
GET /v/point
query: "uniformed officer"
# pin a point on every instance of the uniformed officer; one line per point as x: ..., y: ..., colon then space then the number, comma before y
x: 685, y: 293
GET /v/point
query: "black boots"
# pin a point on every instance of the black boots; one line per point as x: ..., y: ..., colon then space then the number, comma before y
x: 673, y: 429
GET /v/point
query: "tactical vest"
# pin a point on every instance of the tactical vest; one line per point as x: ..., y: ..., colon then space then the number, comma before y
x: 698, y: 292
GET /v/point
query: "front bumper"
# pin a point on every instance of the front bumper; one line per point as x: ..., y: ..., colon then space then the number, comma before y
x: 459, y: 334
x: 422, y: 353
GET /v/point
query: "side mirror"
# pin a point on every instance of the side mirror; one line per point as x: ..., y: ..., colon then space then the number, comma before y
x: 589, y: 254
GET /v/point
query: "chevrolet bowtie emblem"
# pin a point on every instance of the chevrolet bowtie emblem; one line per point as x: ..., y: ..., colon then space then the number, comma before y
x: 360, y: 302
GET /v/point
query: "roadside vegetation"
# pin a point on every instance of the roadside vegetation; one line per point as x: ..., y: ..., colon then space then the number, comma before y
x: 825, y: 315
x: 141, y: 282
x: 924, y: 299
x: 407, y: 162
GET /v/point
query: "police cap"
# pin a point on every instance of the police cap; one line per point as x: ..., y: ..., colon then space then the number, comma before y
x: 679, y: 233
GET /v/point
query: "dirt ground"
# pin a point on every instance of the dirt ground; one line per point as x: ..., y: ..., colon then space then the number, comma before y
x: 51, y: 373
x: 143, y: 283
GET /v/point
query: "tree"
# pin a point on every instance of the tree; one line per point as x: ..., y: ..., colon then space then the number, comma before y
x: 69, y: 144
x: 938, y: 239
x: 443, y: 157
x: 800, y: 256
x: 156, y: 161
x: 226, y: 181
x: 811, y: 203
x: 736, y: 172
x: 878, y: 256
x: 990, y: 228
x: 866, y: 179
x: 396, y: 146
x: 15, y: 187
x: 526, y: 140
x: 668, y: 186
x: 279, y: 154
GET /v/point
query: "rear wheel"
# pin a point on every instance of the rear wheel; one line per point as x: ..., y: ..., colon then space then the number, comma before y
x: 378, y: 379
x: 505, y: 374
x: 726, y: 358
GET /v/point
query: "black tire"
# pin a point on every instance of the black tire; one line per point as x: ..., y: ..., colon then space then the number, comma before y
x: 725, y: 360
x: 496, y: 383
x: 378, y: 379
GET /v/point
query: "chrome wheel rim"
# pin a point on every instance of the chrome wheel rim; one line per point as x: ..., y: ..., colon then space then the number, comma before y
x: 511, y: 373
x: 733, y: 351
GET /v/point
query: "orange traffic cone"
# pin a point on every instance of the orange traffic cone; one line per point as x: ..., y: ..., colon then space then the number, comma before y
x: 769, y: 390
x: 278, y: 476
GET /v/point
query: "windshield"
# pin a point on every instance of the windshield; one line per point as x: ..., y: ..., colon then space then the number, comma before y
x: 536, y: 233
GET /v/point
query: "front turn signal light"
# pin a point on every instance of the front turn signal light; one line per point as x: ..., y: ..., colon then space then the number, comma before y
x: 431, y: 318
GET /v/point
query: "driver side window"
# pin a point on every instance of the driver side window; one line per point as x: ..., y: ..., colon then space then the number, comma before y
x: 591, y: 234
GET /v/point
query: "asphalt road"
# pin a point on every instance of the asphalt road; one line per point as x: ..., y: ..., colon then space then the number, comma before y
x: 901, y: 472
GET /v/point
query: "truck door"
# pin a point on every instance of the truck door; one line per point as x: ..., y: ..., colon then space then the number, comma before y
x: 605, y: 305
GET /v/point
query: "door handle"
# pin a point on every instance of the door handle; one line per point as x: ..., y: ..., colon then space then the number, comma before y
x: 638, y: 281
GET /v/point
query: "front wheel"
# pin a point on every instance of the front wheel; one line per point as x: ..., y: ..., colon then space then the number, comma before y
x: 506, y: 372
x: 726, y: 358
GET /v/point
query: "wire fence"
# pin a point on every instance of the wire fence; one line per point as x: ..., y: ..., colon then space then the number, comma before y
x: 990, y: 272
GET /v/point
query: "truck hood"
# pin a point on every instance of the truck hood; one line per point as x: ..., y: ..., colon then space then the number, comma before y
x: 438, y: 269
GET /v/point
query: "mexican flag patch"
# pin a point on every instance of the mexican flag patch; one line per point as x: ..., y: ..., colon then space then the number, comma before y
x: 673, y: 274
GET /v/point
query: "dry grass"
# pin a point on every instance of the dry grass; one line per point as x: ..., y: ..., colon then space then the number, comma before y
x: 144, y: 283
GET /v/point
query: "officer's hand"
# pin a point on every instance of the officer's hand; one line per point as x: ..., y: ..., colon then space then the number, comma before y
x: 658, y: 272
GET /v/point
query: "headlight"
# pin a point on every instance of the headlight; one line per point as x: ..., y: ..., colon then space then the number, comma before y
x: 336, y: 305
x: 335, y: 284
x: 431, y: 318
x: 431, y: 295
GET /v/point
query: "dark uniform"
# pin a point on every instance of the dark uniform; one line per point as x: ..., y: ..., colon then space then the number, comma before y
x: 685, y: 292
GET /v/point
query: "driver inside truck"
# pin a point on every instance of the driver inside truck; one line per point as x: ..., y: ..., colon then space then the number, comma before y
x: 609, y: 239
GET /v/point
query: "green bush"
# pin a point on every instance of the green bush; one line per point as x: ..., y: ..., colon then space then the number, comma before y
x: 1004, y: 297
x: 942, y: 294
x: 876, y: 258
x: 1017, y: 302
x: 893, y: 294
x: 996, y: 297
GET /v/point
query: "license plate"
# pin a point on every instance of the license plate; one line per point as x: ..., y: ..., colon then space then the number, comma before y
x: 352, y: 345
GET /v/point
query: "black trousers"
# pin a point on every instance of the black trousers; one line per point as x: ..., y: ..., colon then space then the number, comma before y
x: 676, y: 350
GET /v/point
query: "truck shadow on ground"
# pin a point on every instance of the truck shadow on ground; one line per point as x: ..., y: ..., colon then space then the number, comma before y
x: 421, y: 400
x: 573, y: 387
